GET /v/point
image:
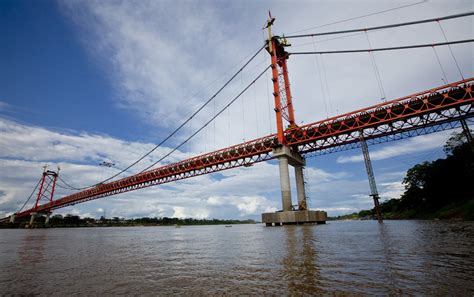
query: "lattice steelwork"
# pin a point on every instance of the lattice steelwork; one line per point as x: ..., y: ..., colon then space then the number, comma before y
x: 432, y: 109
x: 283, y: 97
x: 47, y: 187
x: 436, y: 106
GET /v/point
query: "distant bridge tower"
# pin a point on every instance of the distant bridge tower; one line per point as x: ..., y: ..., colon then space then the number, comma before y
x: 286, y: 155
x: 46, y: 192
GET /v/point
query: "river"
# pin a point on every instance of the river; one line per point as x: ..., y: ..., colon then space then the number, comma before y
x: 361, y: 257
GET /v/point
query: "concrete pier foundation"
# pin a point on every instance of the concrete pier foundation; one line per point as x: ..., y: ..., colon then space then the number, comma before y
x: 289, y: 215
x: 32, y: 218
x: 46, y: 221
x: 294, y: 217
x: 300, y: 192
x: 285, y: 183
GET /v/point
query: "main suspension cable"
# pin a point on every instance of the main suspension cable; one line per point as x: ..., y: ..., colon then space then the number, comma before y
x: 385, y: 26
x: 206, y: 87
x: 180, y: 126
x: 382, y: 49
x: 68, y: 185
x: 360, y: 16
x: 64, y: 187
x: 31, y: 195
x: 208, y: 122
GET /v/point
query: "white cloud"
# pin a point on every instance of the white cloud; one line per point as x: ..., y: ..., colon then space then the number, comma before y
x: 241, y: 192
x: 39, y: 144
x: 162, y: 52
x: 247, y: 205
x: 256, y: 205
x: 159, y: 53
x: 4, y: 106
x: 182, y: 212
x: 392, y: 190
x: 402, y: 148
x: 215, y: 200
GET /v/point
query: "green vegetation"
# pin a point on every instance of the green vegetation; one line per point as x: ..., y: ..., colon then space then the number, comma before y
x: 76, y: 221
x: 361, y: 215
x: 441, y: 189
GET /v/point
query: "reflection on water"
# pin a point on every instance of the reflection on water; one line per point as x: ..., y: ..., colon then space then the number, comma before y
x: 397, y: 257
x: 31, y: 249
x: 300, y: 262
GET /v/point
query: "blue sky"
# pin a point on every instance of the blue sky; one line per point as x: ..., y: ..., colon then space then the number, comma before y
x: 49, y: 78
x: 83, y: 82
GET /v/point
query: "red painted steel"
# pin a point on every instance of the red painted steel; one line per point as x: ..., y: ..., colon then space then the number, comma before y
x: 436, y: 106
x: 40, y: 190
x: 44, y: 190
x: 449, y: 102
x: 53, y: 188
x: 281, y: 86
x: 276, y: 93
x: 289, y: 98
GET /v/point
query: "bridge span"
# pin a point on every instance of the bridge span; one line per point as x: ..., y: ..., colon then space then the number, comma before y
x: 424, y: 112
x: 430, y: 108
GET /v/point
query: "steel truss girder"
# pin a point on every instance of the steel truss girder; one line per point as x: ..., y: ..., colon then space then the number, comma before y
x: 449, y: 119
x: 386, y: 138
x: 244, y: 154
x: 422, y: 109
x: 432, y: 108
x: 170, y: 178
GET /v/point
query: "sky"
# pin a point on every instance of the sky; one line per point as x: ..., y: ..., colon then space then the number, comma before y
x: 83, y: 82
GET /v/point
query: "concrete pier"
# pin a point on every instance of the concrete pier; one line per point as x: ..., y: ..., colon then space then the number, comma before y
x: 12, y: 218
x: 290, y: 216
x: 285, y: 183
x: 32, y: 219
x: 300, y: 192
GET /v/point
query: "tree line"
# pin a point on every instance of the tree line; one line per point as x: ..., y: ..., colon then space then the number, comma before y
x: 74, y: 220
x: 438, y: 189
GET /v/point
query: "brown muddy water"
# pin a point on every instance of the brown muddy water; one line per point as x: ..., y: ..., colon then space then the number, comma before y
x: 361, y: 257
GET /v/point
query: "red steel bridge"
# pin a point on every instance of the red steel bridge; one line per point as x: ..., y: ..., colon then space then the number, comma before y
x: 428, y: 111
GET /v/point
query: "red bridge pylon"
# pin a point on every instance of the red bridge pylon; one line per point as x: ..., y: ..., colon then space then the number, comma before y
x: 47, y: 187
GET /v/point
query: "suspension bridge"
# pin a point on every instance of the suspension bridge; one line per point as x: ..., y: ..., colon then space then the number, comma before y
x: 440, y: 108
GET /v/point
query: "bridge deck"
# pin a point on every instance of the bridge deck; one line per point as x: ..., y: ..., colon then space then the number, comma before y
x: 432, y: 107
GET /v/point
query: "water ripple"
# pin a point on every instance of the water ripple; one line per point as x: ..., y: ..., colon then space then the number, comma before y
x: 362, y: 257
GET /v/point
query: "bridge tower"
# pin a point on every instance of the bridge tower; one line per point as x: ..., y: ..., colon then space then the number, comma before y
x: 46, y: 192
x: 285, y: 154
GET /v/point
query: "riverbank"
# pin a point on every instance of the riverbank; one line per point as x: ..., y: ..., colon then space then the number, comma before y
x: 71, y: 221
x: 440, y: 189
x: 461, y: 210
